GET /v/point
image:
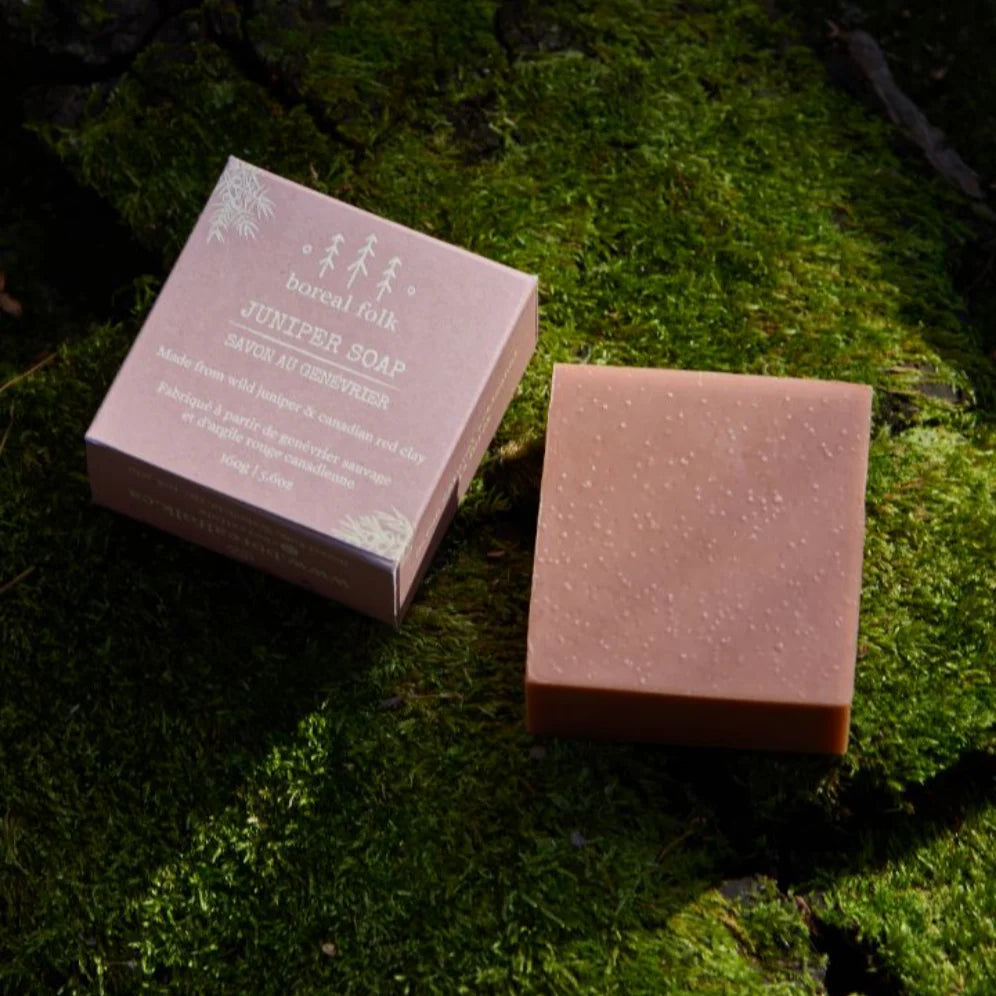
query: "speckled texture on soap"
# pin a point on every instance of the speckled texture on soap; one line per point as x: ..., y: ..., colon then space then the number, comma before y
x: 700, y: 538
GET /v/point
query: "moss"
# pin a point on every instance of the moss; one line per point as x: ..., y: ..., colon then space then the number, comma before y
x: 934, y: 56
x: 212, y: 781
x: 160, y: 139
x: 927, y: 636
x: 927, y: 903
x: 371, y: 67
x: 756, y: 944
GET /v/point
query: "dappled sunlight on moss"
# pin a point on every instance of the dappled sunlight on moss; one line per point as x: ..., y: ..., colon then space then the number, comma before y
x: 214, y: 781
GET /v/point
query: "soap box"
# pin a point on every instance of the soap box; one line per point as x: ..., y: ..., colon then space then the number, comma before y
x: 313, y: 390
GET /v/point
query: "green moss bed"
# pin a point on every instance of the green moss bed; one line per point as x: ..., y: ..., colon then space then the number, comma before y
x: 213, y: 782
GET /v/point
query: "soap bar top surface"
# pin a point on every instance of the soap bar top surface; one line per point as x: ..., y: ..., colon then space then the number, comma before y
x: 700, y: 535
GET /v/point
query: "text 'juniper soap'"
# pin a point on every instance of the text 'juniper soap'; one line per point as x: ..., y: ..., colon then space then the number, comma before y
x: 698, y: 558
x: 313, y: 390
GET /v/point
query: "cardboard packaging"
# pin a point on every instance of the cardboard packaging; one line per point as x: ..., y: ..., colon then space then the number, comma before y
x: 313, y: 390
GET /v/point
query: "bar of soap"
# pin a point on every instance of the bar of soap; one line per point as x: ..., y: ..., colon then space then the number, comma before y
x: 698, y: 559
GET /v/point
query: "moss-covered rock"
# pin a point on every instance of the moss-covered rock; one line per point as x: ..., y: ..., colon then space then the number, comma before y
x: 211, y: 781
x: 924, y: 897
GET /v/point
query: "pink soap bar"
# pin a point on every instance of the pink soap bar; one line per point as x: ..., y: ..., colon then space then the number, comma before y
x: 313, y: 390
x: 698, y: 559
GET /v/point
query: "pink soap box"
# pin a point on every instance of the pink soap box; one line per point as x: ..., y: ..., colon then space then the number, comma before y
x: 313, y: 390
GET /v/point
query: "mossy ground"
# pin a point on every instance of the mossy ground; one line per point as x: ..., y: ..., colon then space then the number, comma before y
x: 210, y: 781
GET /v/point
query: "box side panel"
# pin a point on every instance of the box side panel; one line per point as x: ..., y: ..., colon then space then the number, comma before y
x: 473, y: 441
x: 491, y: 406
x: 195, y: 513
x: 412, y: 571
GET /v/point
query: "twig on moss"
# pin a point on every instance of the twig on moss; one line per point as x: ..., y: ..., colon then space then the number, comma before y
x: 43, y: 362
x: 870, y: 62
x: 7, y: 585
x: 6, y: 432
x: 696, y: 822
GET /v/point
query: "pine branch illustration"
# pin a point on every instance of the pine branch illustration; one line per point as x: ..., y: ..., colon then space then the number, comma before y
x: 359, y: 265
x: 331, y: 251
x: 384, y: 286
x: 246, y: 226
x: 387, y: 534
x: 240, y: 201
x: 220, y: 220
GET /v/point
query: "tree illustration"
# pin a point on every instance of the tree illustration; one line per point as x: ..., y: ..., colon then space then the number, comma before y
x: 331, y: 251
x: 384, y: 286
x: 359, y: 265
x: 240, y: 201
x: 387, y: 534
